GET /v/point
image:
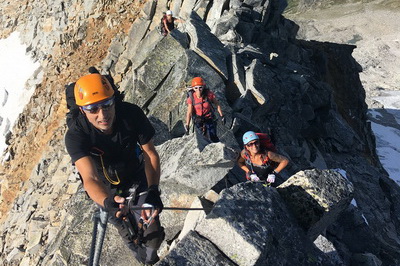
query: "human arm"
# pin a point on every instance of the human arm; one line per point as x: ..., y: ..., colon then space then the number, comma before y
x: 166, y: 26
x: 189, y: 114
x: 250, y: 175
x: 242, y: 163
x: 282, y: 160
x: 152, y: 163
x: 152, y: 169
x: 95, y: 188
x: 216, y: 103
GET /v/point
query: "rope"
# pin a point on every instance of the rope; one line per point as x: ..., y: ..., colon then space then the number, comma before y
x: 112, y: 182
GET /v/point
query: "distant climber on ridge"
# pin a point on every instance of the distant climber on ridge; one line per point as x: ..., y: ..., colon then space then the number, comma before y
x: 110, y: 143
x: 258, y: 160
x: 200, y: 99
x: 168, y: 22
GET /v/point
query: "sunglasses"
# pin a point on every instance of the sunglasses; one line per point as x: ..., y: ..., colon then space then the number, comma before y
x: 198, y: 87
x: 95, y: 108
x: 254, y: 143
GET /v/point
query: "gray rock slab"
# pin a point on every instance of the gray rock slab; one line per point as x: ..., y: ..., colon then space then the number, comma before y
x: 192, y: 218
x: 145, y: 47
x: 316, y: 198
x: 238, y: 74
x: 148, y: 10
x: 202, y: 7
x: 175, y: 7
x: 215, y: 12
x: 195, y: 250
x: 157, y: 65
x: 186, y: 8
x: 252, y: 226
x: 14, y: 255
x: 136, y: 34
x: 226, y: 22
x: 161, y: 7
x: 207, y: 45
x: 259, y: 80
x: 193, y: 163
x: 329, y: 249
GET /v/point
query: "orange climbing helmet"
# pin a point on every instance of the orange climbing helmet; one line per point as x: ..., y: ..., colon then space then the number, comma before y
x: 91, y: 89
x: 197, y: 81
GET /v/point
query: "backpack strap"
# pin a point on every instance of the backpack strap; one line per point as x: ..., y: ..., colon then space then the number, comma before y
x: 203, y: 101
x: 248, y: 161
x: 265, y: 160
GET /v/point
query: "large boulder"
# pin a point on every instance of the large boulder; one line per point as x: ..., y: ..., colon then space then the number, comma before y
x: 194, y: 162
x: 316, y: 198
x: 252, y: 226
x: 206, y: 44
x: 216, y: 11
x: 149, y: 75
x: 195, y: 250
x: 191, y: 165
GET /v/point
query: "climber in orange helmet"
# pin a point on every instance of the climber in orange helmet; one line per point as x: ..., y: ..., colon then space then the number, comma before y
x: 200, y: 102
x: 110, y: 143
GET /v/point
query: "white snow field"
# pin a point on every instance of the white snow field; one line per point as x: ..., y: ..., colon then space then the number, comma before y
x: 16, y: 67
x: 386, y: 127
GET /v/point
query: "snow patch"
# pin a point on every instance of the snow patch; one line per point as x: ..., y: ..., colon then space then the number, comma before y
x: 388, y: 137
x: 365, y: 219
x: 15, y: 69
x: 354, y: 202
x: 342, y: 172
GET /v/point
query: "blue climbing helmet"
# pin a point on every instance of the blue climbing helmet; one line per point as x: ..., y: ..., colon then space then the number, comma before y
x: 249, y: 136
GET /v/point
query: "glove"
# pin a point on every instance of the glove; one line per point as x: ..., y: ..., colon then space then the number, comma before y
x: 153, y: 197
x: 186, y: 129
x: 248, y: 175
x: 254, y: 178
x: 271, y: 178
x: 111, y: 206
x: 223, y: 120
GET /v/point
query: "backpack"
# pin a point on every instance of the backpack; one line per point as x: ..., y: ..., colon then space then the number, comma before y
x: 265, y: 142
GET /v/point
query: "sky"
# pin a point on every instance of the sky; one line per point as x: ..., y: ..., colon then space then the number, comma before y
x: 16, y: 67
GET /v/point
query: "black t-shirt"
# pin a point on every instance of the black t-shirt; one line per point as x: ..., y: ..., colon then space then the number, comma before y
x: 118, y: 154
x: 170, y: 25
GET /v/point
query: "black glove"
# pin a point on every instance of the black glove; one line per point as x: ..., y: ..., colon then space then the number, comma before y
x: 223, y: 120
x: 153, y: 197
x: 186, y: 129
x: 111, y: 206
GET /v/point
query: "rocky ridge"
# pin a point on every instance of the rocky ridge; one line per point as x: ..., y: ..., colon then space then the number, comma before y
x: 307, y: 94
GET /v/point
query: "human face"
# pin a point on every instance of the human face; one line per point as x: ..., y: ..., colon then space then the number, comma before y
x: 253, y: 146
x: 198, y: 90
x: 101, y: 115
